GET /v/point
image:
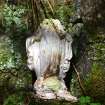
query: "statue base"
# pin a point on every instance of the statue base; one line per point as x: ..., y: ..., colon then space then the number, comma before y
x: 52, y: 88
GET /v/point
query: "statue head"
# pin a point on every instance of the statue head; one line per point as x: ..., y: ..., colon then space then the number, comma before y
x: 53, y: 25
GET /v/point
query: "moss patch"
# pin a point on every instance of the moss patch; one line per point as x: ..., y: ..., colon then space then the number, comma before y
x: 95, y: 83
x: 53, y: 83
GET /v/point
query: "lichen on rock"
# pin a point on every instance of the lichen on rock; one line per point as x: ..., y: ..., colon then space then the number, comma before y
x: 52, y: 83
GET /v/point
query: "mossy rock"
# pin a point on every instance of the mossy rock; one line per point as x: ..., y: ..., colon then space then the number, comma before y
x: 92, y: 67
x: 95, y: 80
x: 95, y: 83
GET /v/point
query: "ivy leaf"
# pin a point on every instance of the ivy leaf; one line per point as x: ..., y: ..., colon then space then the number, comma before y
x: 82, y: 100
x: 85, y: 100
x: 95, y: 104
x: 17, y: 20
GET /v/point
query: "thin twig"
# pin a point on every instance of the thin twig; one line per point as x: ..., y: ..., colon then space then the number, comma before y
x: 51, y: 8
x: 79, y: 80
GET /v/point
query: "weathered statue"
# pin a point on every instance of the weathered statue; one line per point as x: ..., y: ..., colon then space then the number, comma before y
x: 49, y: 53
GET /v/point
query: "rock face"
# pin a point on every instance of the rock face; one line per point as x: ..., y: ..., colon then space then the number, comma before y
x: 49, y: 54
x: 95, y: 81
x: 92, y: 11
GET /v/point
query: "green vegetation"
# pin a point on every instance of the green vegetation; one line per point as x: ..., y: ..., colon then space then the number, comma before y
x: 63, y: 13
x: 86, y: 100
x: 14, y: 100
x: 14, y: 24
x: 12, y: 17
